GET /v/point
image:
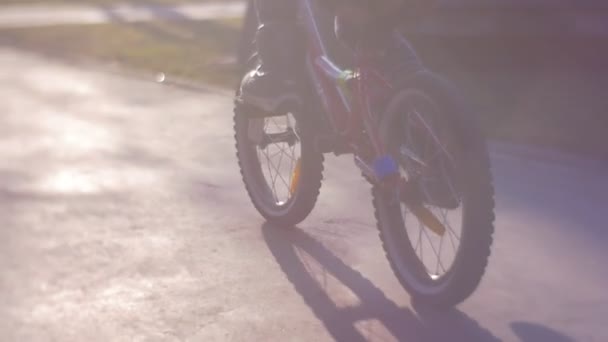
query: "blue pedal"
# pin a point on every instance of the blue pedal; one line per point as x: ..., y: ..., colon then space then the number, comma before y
x: 385, y: 166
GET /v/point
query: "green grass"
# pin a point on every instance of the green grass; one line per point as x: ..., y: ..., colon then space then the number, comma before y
x: 192, y: 50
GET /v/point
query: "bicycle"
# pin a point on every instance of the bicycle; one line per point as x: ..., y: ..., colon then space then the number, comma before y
x: 414, y: 140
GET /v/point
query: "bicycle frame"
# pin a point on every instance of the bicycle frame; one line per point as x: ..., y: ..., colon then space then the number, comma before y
x: 348, y: 116
x: 379, y: 106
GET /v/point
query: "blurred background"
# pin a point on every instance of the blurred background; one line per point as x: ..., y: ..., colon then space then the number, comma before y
x: 536, y: 69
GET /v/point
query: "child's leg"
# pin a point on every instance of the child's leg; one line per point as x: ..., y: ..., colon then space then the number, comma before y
x: 273, y: 83
x: 275, y: 34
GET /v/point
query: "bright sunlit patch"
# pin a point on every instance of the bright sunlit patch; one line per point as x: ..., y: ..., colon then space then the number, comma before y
x: 374, y: 330
x: 336, y: 290
x: 77, y: 181
x: 112, y: 296
x: 72, y: 181
x: 58, y: 82
x: 68, y: 135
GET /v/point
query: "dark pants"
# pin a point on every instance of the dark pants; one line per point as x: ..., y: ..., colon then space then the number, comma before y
x: 276, y: 35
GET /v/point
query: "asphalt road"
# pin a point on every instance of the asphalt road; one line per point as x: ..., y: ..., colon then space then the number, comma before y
x: 123, y: 218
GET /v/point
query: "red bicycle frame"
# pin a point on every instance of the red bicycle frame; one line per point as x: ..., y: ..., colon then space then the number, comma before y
x: 349, y: 114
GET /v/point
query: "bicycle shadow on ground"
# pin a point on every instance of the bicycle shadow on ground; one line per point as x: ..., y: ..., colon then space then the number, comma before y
x: 399, y: 323
x: 530, y: 332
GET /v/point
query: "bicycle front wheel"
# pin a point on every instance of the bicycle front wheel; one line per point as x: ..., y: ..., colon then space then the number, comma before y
x: 281, y: 167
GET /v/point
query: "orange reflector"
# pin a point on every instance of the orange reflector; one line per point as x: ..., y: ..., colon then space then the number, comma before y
x: 295, y: 177
x: 428, y: 219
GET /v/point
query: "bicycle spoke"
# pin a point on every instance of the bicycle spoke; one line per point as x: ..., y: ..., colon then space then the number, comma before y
x: 284, y: 181
x: 450, y: 230
x: 419, y: 248
x: 433, y: 248
x: 279, y: 150
x: 268, y: 164
x: 447, y: 223
x: 418, y: 244
x: 283, y: 150
x: 276, y: 154
x: 278, y: 172
x: 434, y: 136
x: 278, y: 168
x: 420, y: 229
x: 273, y: 179
x: 439, y: 256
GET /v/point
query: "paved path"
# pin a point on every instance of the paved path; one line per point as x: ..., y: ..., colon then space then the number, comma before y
x: 16, y: 16
x: 123, y: 218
